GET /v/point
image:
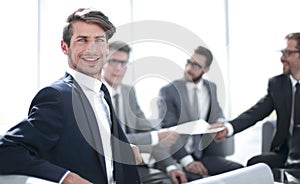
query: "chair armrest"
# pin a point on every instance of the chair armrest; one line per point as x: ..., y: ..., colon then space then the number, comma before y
x: 224, y: 148
x: 268, y: 129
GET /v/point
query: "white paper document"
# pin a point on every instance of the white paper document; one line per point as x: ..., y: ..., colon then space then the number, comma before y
x: 259, y: 174
x: 195, y: 127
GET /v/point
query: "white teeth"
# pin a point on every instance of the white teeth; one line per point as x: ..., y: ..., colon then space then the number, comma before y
x: 90, y: 59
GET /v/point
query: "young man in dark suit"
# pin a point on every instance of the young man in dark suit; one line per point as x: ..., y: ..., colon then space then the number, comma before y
x: 71, y: 134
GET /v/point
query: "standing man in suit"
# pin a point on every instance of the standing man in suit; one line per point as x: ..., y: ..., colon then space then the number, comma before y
x: 283, y: 97
x: 138, y: 129
x: 189, y: 99
x: 71, y: 134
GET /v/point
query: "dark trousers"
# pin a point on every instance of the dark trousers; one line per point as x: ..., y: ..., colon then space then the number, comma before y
x: 272, y: 159
x: 282, y: 172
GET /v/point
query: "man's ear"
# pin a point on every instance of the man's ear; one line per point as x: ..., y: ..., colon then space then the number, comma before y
x: 64, y: 47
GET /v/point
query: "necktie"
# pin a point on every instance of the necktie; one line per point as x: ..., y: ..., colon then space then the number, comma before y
x: 294, y: 154
x: 297, y: 105
x: 196, y: 138
x: 105, y: 124
x: 104, y: 108
x: 196, y: 103
x: 117, y: 108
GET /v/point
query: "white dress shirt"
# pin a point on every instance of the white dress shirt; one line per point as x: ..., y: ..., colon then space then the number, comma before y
x: 203, y: 97
x: 203, y: 104
x: 91, y: 88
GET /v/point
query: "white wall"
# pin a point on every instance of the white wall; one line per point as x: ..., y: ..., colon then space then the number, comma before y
x: 18, y: 76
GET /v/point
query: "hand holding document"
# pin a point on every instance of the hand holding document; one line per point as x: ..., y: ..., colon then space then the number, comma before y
x: 195, y: 127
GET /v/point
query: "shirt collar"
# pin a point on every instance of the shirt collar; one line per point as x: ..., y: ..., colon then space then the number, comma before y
x: 85, y: 80
x: 192, y: 85
x: 111, y: 90
x: 294, y: 81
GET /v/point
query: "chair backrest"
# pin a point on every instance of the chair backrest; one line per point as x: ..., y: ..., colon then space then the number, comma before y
x: 20, y: 179
x: 15, y: 179
x: 268, y: 129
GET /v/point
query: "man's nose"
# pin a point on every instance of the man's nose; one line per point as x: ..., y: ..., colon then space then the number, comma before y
x: 188, y: 67
x: 282, y: 58
x: 119, y: 66
x: 93, y: 47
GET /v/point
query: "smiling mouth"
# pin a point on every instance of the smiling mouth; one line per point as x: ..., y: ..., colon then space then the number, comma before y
x: 90, y: 59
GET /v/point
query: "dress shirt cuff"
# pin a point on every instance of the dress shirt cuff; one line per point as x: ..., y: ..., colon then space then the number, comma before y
x: 64, y: 176
x: 229, y: 128
x: 154, y: 138
x: 221, y: 120
x: 171, y: 168
x: 186, y: 160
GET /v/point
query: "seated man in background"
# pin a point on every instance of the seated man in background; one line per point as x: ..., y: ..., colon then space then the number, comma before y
x: 194, y: 98
x: 137, y: 128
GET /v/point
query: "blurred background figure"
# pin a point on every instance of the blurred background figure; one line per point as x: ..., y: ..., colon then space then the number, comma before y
x: 137, y: 128
x: 194, y: 98
x: 283, y: 96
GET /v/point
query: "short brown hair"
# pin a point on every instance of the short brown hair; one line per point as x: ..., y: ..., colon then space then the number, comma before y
x: 205, y: 52
x: 89, y: 16
x: 119, y: 46
x: 294, y: 36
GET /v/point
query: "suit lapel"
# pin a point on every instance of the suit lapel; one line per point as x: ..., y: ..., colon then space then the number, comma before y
x: 86, y: 120
x: 287, y: 98
x: 206, y: 84
x: 129, y: 116
x: 115, y: 139
x: 108, y: 100
x: 122, y: 152
x: 184, y: 97
x: 128, y: 120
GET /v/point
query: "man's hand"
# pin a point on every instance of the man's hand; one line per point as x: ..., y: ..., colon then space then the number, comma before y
x: 137, y: 154
x: 196, y: 167
x: 73, y: 178
x: 221, y: 135
x: 167, y: 137
x: 177, y: 176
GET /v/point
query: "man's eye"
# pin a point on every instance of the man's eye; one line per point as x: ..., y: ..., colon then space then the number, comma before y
x: 81, y: 40
x: 100, y: 40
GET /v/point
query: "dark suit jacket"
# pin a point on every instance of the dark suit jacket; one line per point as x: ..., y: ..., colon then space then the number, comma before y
x: 175, y: 108
x: 278, y: 98
x: 61, y: 133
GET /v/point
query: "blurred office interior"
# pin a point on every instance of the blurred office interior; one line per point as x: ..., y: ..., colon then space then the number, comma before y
x: 245, y: 37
